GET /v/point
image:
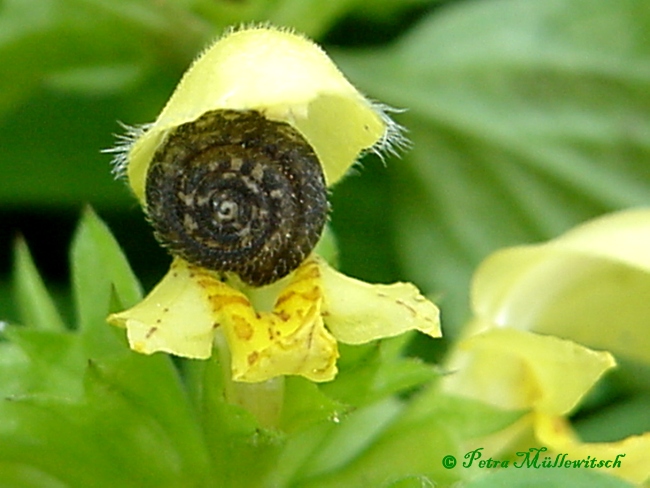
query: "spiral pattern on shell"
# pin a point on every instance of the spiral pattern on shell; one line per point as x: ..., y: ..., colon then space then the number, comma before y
x: 235, y: 192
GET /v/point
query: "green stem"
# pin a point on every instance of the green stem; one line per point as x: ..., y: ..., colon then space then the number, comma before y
x: 264, y: 399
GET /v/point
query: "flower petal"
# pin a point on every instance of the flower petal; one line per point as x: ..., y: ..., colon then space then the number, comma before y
x: 591, y: 285
x: 357, y: 312
x: 182, y: 313
x: 557, y: 434
x: 290, y: 340
x: 175, y: 317
x: 515, y: 369
x: 283, y: 75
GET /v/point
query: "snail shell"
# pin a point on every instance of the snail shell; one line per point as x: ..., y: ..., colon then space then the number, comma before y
x: 235, y: 192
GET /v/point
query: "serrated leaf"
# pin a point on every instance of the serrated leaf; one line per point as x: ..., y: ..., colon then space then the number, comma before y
x: 80, y: 408
x: 100, y: 273
x: 108, y: 443
x: 132, y: 427
x: 35, y: 305
x: 142, y: 399
x: 94, y: 244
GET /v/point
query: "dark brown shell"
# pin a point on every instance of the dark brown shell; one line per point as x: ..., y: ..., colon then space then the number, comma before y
x: 235, y: 192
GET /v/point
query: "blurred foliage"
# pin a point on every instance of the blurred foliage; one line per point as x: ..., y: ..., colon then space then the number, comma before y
x: 525, y: 118
x: 80, y: 409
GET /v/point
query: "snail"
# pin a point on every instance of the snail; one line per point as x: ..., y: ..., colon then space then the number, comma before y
x: 233, y: 191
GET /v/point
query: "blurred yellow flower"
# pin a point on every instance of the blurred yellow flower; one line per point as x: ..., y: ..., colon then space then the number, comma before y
x: 591, y: 285
x: 290, y: 326
x: 537, y: 308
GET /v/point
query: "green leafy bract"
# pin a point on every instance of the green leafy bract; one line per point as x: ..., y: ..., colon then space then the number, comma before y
x: 79, y: 408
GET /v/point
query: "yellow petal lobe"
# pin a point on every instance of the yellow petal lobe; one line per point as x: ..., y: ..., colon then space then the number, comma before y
x: 287, y: 78
x: 357, y: 312
x: 591, y: 285
x: 556, y: 433
x: 175, y: 317
x: 518, y: 370
x: 290, y: 340
x: 181, y: 315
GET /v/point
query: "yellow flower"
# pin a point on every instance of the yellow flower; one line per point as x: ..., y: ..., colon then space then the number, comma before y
x: 591, y: 285
x: 287, y: 78
x: 290, y: 326
x: 537, y: 308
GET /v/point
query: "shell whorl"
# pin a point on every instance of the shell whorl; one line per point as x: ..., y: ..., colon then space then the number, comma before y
x: 235, y: 192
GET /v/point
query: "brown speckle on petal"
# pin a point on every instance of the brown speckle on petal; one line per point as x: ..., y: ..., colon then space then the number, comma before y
x: 407, y: 306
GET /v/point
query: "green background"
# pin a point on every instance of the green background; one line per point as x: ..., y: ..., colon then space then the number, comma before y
x: 525, y: 118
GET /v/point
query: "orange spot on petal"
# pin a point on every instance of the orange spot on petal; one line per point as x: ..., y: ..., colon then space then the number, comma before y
x: 220, y: 301
x: 285, y: 297
x: 243, y: 329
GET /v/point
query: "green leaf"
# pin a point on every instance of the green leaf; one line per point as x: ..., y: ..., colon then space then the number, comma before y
x: 241, y: 451
x: 15, y: 475
x: 413, y: 443
x: 312, y: 17
x: 548, y: 478
x: 100, y: 274
x: 613, y: 422
x: 71, y: 69
x: 375, y: 371
x: 138, y: 405
x: 109, y: 441
x: 332, y: 425
x: 44, y: 38
x: 526, y: 118
x: 35, y: 306
x: 45, y: 435
x: 358, y: 431
x: 81, y: 409
x: 466, y: 418
x: 54, y: 363
x: 305, y: 405
x: 15, y: 370
x: 390, y: 9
